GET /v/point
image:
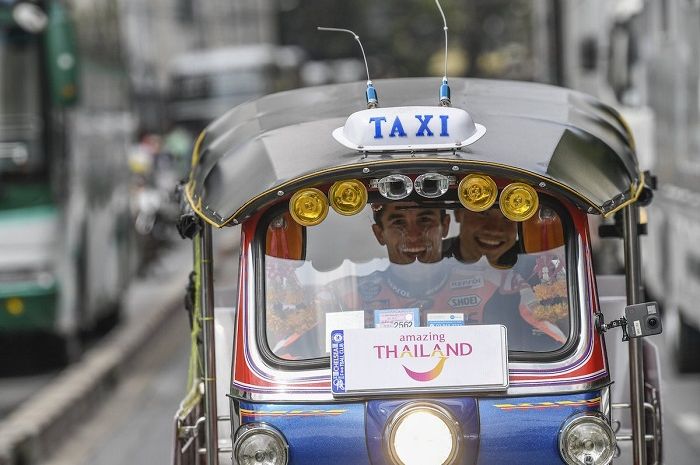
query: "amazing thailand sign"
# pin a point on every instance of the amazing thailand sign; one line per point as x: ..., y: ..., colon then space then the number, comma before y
x: 435, y: 359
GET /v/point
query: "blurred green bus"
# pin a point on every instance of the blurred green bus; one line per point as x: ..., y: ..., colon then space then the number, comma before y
x: 65, y: 127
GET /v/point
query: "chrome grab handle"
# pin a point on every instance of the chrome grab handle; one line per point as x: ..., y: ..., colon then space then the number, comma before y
x: 651, y: 409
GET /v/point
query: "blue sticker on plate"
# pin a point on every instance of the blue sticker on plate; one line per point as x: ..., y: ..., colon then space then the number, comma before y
x: 445, y: 319
x: 338, y: 361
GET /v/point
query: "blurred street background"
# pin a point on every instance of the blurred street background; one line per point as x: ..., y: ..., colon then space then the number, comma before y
x: 101, y: 104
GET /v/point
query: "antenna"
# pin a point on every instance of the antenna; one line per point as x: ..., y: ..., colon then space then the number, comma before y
x: 371, y: 93
x: 444, y: 88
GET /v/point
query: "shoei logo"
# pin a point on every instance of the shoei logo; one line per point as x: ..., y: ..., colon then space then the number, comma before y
x: 462, y: 301
x: 409, y: 128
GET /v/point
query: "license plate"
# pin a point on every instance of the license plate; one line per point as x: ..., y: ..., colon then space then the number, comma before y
x: 415, y: 359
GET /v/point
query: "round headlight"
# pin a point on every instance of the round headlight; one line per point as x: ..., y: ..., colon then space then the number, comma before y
x: 422, y: 434
x: 518, y: 201
x: 395, y: 186
x: 431, y: 185
x: 477, y: 192
x: 587, y: 439
x: 348, y: 197
x: 260, y: 444
x: 308, y: 207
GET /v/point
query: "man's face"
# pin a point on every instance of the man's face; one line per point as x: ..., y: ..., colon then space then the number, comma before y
x: 486, y: 233
x: 411, y: 232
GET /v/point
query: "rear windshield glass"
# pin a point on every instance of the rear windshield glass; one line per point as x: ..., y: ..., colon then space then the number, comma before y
x: 403, y: 264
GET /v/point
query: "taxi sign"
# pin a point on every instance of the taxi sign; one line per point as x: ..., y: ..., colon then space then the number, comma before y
x: 411, y: 359
x: 409, y: 129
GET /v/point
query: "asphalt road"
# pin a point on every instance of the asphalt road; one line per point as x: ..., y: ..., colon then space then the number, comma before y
x: 135, y: 425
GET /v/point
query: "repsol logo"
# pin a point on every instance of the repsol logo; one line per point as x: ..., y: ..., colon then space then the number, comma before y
x: 473, y: 282
x: 461, y: 301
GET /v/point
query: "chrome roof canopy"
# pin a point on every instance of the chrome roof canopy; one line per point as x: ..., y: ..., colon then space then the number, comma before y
x: 553, y: 137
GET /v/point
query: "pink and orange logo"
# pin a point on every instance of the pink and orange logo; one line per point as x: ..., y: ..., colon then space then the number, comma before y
x: 429, y: 375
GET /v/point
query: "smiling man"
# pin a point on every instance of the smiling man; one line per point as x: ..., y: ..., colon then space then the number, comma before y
x: 410, y: 232
x: 483, y: 234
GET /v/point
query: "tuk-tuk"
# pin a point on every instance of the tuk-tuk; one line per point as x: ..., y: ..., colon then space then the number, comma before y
x: 416, y: 282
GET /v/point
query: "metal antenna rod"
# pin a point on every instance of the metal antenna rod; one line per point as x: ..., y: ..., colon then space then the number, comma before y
x: 357, y: 38
x: 372, y: 100
x: 444, y: 88
x: 444, y: 22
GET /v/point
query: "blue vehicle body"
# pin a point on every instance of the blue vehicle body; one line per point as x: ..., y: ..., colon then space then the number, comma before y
x: 496, y: 430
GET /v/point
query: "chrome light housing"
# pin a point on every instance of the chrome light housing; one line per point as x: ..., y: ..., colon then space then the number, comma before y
x: 394, y: 186
x: 260, y: 444
x: 587, y: 439
x: 432, y: 185
x: 422, y: 433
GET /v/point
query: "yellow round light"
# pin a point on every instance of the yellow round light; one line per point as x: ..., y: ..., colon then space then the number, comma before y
x: 518, y: 201
x: 477, y: 192
x: 348, y: 197
x: 308, y: 207
x: 14, y: 306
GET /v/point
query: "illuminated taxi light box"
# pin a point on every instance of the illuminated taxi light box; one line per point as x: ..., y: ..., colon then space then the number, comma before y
x: 411, y: 359
x: 409, y: 129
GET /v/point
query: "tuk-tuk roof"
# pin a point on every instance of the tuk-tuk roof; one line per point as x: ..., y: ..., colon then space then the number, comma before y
x: 551, y: 137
